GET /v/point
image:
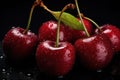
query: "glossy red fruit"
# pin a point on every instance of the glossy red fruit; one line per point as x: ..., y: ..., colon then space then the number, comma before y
x: 94, y: 52
x: 81, y: 34
x: 48, y: 30
x: 56, y: 61
x: 19, y: 46
x: 113, y: 33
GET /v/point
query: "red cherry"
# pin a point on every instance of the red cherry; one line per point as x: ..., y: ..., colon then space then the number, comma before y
x: 56, y: 61
x: 113, y: 33
x: 19, y: 46
x: 48, y: 30
x: 94, y: 52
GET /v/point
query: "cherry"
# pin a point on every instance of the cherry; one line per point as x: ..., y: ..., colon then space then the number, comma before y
x: 68, y: 34
x: 55, y: 61
x: 94, y: 52
x: 55, y: 58
x: 20, y: 44
x: 48, y: 30
x: 19, y: 47
x: 111, y: 31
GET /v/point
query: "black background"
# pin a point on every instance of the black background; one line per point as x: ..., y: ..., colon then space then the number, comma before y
x: 16, y: 13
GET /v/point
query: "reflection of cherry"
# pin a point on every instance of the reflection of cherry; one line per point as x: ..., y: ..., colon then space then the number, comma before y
x: 19, y: 44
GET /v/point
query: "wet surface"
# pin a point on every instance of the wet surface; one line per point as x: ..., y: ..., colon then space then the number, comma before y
x: 31, y: 72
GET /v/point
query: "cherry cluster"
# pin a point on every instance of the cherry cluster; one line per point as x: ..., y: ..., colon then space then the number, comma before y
x: 57, y: 44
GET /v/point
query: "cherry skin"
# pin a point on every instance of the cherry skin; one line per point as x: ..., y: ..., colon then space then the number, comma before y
x: 19, y: 46
x: 94, y: 52
x: 113, y: 33
x: 48, y: 30
x: 81, y: 34
x: 55, y: 61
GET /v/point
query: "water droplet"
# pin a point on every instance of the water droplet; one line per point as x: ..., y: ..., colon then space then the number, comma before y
x: 28, y: 74
x: 3, y: 79
x: 99, y: 70
x: 8, y: 74
x: 13, y: 27
x: 60, y: 76
x: 29, y: 30
x: 1, y: 57
x: 3, y: 70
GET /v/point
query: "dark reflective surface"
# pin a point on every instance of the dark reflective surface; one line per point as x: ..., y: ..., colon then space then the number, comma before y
x: 31, y: 72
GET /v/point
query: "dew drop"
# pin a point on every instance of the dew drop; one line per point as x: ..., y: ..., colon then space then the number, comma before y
x: 28, y: 74
x: 29, y: 30
x: 3, y: 79
x: 3, y: 70
x: 8, y: 74
x: 1, y: 57
x: 99, y: 70
x: 60, y: 77
x: 13, y: 27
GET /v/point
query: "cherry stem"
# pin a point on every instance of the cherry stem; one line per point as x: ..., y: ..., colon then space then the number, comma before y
x: 89, y: 19
x: 59, y: 19
x: 93, y: 22
x: 30, y: 16
x: 76, y: 2
x: 44, y: 6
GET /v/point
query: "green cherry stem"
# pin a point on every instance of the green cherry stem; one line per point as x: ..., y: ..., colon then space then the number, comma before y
x: 59, y: 19
x: 30, y: 17
x: 58, y: 31
x: 76, y: 2
x: 93, y: 22
x: 89, y: 19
